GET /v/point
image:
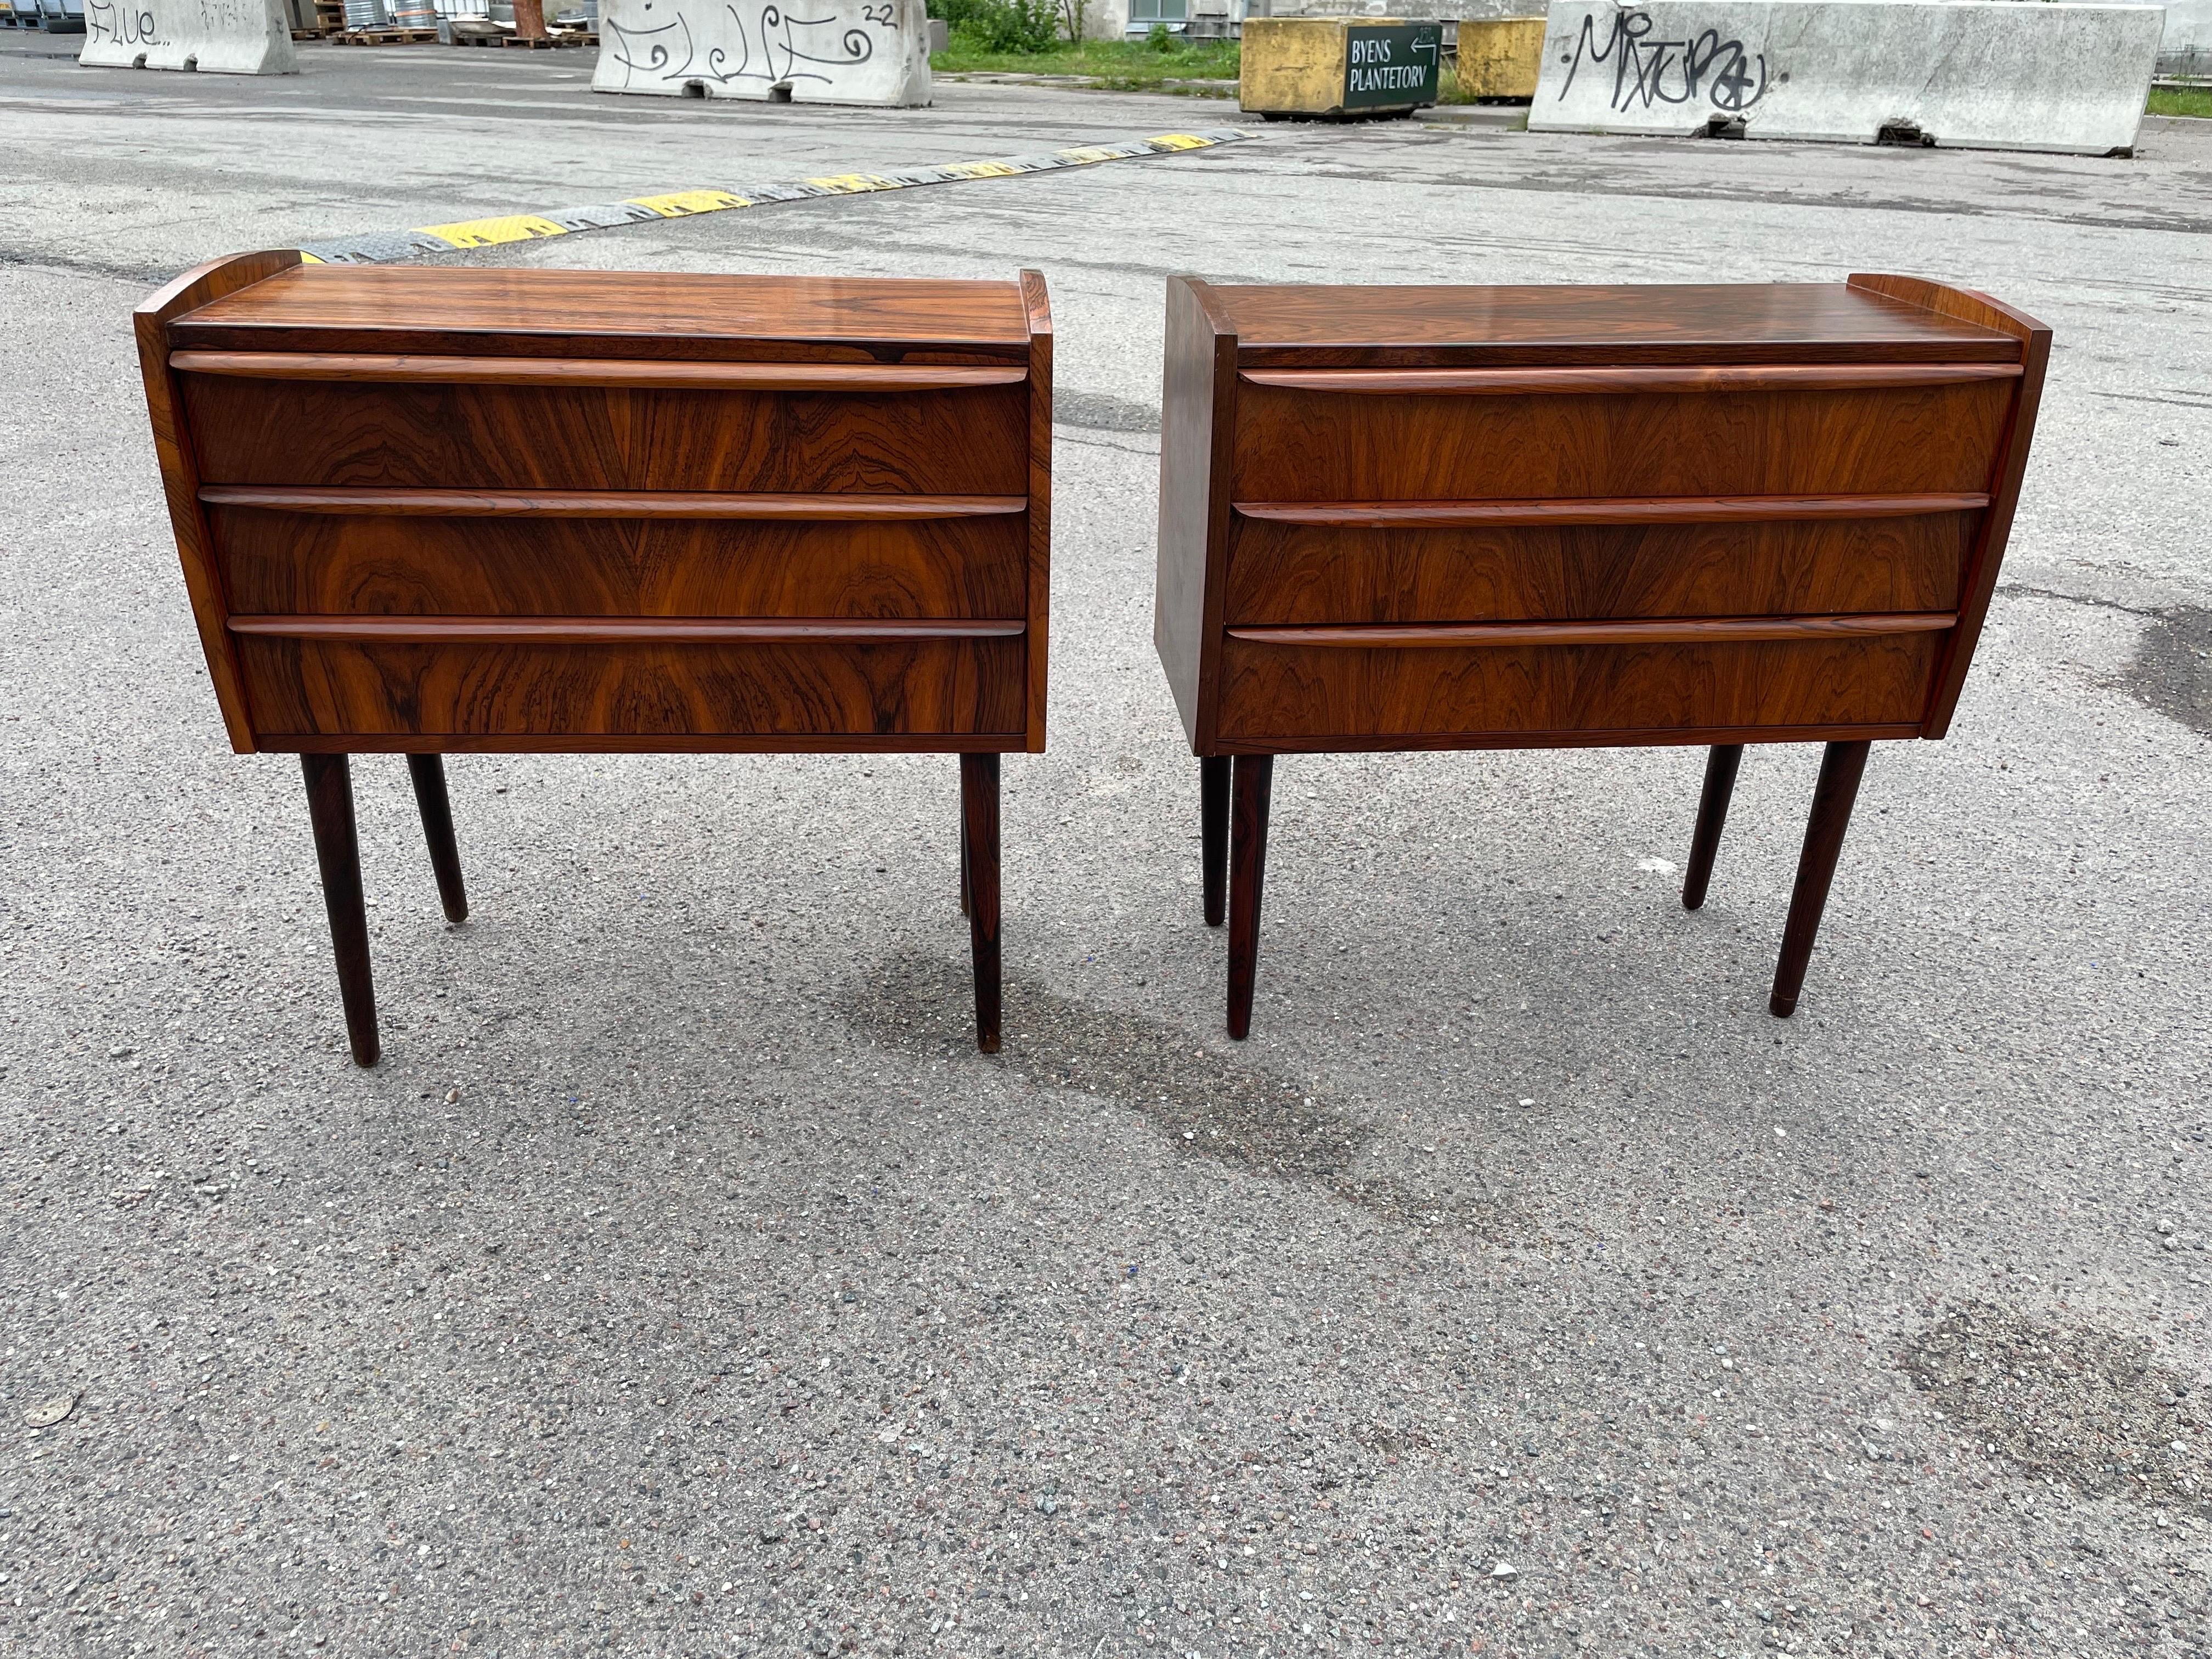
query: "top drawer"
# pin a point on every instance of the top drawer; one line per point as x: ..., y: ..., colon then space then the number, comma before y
x: 1405, y: 435
x: 733, y: 428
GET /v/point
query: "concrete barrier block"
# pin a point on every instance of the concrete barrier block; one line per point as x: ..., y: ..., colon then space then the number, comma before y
x: 839, y: 52
x: 1338, y: 67
x: 1500, y: 56
x: 1974, y: 74
x: 218, y: 37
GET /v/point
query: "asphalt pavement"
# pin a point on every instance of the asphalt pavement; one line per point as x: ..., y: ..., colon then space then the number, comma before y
x: 684, y: 1283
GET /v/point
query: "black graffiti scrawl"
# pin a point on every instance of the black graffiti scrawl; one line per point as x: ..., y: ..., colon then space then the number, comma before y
x: 773, y: 51
x: 1646, y: 71
x: 129, y: 26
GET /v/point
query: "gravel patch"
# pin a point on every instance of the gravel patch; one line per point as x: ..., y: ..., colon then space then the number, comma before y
x: 2085, y: 1406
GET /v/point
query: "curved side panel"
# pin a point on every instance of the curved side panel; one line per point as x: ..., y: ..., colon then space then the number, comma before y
x: 179, y: 463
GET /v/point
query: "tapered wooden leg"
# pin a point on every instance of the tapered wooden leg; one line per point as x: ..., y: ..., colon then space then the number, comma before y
x: 963, y: 856
x: 1255, y: 778
x: 329, y: 809
x: 979, y: 817
x: 1213, y: 834
x: 429, y: 774
x: 1712, y: 813
x: 1841, y: 768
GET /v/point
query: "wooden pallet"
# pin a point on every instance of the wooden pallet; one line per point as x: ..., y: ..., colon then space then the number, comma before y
x: 559, y: 38
x: 387, y: 37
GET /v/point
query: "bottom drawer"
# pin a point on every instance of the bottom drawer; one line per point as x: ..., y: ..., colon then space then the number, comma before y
x: 1272, y: 692
x: 322, y: 687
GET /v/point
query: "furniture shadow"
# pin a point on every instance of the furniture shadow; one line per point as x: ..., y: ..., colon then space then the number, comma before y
x: 2171, y: 673
x: 1206, y: 1106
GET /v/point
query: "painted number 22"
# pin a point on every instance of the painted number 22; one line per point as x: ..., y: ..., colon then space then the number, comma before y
x: 882, y: 14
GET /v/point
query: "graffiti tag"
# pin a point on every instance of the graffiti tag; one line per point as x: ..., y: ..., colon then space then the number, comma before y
x: 119, y: 23
x: 1648, y: 71
x: 779, y: 49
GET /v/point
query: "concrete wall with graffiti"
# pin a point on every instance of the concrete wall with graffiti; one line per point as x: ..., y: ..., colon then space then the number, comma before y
x: 807, y: 52
x: 1978, y: 74
x: 217, y: 37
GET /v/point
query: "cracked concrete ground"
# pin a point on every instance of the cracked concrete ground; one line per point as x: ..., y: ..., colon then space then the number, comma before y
x: 685, y: 1283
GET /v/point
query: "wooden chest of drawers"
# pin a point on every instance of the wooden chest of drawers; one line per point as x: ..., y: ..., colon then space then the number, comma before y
x: 429, y: 510
x: 1480, y: 518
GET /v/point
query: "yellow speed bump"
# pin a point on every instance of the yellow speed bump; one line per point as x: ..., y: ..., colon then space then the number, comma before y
x: 682, y: 203
x: 491, y: 233
x: 381, y: 246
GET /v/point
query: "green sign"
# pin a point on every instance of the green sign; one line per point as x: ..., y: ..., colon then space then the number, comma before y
x: 1391, y: 65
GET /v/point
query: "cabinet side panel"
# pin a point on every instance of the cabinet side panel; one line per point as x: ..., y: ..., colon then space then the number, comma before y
x: 181, y: 481
x: 1197, y: 410
x: 2007, y: 468
x: 1039, y: 307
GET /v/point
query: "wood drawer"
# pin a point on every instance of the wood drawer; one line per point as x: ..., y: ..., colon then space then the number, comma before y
x: 1281, y: 572
x: 562, y: 695
x: 1294, y: 444
x: 1278, y: 694
x: 961, y: 440
x: 276, y: 560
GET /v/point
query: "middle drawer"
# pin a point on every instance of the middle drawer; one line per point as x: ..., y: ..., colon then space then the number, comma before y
x: 971, y: 562
x: 1288, y: 572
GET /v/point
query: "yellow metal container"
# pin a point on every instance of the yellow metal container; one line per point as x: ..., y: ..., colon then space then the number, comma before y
x: 1330, y: 68
x: 1499, y: 57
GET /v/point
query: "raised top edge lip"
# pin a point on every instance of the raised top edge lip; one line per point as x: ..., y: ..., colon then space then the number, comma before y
x: 707, y: 307
x: 1645, y: 322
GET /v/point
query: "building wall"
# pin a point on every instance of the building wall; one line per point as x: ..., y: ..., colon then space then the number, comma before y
x: 2188, y: 29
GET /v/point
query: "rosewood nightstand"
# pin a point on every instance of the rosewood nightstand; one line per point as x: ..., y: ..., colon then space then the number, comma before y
x: 1478, y: 518
x: 428, y: 510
